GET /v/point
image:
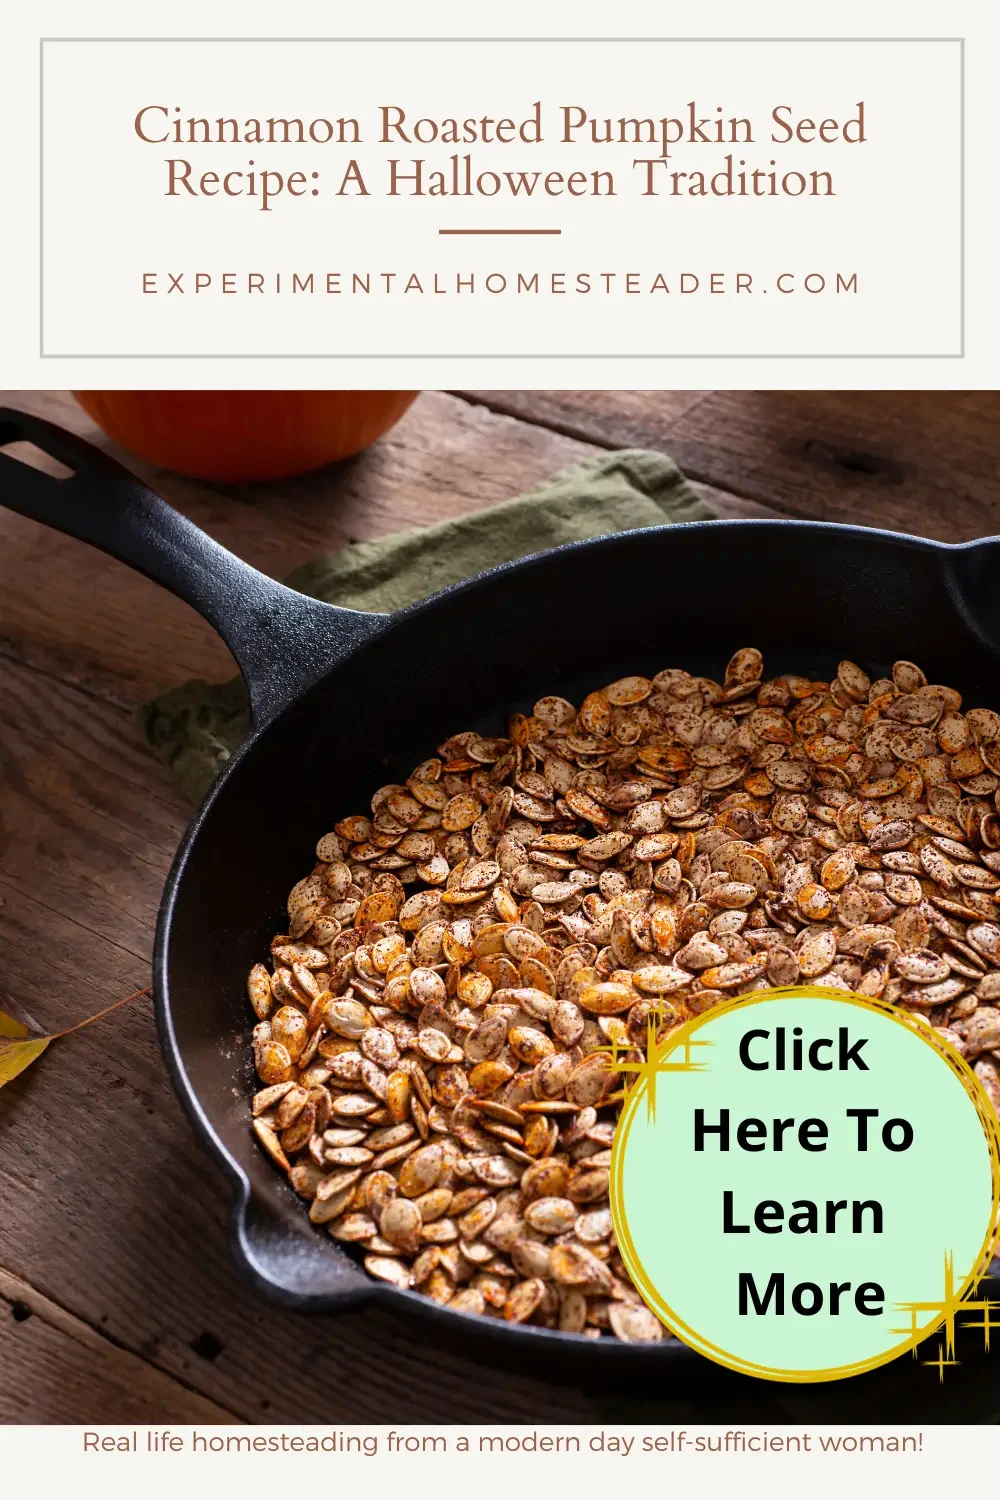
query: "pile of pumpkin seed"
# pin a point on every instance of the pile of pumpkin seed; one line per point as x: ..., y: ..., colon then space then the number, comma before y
x: 435, y: 1032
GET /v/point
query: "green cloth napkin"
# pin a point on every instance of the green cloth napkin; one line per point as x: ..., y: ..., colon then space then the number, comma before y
x: 195, y: 727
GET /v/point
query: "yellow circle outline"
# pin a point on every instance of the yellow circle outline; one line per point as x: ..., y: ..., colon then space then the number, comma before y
x: 654, y: 1299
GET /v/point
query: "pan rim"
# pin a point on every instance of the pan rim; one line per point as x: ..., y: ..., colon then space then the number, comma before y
x: 368, y: 1289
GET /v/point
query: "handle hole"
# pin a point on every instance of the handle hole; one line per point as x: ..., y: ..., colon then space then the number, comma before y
x: 36, y: 458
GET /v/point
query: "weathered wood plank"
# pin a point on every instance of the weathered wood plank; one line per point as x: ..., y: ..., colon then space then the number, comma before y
x: 84, y: 842
x: 59, y: 1369
x: 927, y: 462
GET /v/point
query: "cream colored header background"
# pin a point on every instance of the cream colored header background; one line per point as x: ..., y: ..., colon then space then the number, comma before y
x: 884, y: 257
x: 831, y: 260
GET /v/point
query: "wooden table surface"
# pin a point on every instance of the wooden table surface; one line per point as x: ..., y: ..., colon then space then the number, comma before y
x: 117, y: 1299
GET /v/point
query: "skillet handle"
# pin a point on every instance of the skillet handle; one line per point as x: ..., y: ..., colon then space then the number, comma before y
x: 283, y: 641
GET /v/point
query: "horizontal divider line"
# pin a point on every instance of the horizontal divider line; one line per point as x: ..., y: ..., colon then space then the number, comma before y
x: 499, y: 231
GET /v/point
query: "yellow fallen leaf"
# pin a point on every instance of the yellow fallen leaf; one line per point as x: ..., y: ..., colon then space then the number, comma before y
x: 21, y: 1040
x: 15, y: 1054
x: 11, y: 1028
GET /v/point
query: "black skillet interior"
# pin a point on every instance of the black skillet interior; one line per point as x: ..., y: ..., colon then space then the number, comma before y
x: 806, y: 594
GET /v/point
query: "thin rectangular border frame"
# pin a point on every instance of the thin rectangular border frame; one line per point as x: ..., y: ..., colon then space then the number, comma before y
x: 223, y: 41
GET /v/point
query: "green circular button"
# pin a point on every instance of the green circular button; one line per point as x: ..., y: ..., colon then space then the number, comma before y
x: 805, y: 1183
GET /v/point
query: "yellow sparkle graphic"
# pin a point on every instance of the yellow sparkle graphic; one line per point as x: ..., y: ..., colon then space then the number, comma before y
x: 951, y: 1302
x: 946, y: 1308
x: 985, y: 1323
x: 659, y: 1056
x: 940, y: 1364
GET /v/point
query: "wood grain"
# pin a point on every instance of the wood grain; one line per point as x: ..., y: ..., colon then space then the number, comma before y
x: 58, y: 1369
x: 926, y: 462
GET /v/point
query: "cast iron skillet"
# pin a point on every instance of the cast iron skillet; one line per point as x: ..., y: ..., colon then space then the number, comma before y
x: 343, y: 702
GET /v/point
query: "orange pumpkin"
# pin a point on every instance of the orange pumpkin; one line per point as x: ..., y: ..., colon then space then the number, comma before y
x: 232, y: 436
